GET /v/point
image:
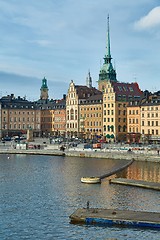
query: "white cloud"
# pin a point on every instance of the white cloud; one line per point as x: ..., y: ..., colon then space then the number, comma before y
x: 152, y: 19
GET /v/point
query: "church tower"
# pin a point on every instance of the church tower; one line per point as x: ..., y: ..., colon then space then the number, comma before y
x: 89, y: 80
x: 107, y: 72
x: 44, y: 90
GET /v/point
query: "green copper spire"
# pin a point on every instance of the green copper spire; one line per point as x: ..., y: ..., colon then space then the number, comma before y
x: 107, y: 71
x: 108, y: 41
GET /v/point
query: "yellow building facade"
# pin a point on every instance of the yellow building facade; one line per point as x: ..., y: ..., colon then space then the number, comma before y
x: 91, y: 117
x: 133, y: 123
x: 150, y: 121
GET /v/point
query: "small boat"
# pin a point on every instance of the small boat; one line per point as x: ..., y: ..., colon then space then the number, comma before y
x: 90, y: 180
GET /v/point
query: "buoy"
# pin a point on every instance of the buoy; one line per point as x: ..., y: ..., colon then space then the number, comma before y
x: 90, y: 180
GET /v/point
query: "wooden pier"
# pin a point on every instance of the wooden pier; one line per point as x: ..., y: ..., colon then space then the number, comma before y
x: 136, y: 183
x: 116, y: 217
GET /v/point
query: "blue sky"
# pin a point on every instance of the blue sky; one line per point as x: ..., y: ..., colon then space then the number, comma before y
x: 63, y: 39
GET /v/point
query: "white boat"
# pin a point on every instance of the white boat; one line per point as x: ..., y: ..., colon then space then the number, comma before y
x: 90, y: 180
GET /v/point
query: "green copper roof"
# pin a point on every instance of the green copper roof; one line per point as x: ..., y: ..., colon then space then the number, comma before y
x: 107, y: 72
x: 44, y: 83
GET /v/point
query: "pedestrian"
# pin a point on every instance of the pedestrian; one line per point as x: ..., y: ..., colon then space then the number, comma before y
x: 158, y: 152
x: 87, y: 204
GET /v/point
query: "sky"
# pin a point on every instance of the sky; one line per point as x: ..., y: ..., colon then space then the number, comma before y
x: 63, y: 40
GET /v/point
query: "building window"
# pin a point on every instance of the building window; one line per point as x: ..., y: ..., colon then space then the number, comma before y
x: 72, y: 114
x: 75, y: 114
x: 131, y: 89
x: 119, y: 128
x: 124, y: 128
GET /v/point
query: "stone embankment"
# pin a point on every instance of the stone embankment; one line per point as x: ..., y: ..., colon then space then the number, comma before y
x: 137, y: 156
x: 75, y: 152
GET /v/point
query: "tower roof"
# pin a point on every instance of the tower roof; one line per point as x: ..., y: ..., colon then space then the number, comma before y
x: 107, y: 72
x: 44, y: 83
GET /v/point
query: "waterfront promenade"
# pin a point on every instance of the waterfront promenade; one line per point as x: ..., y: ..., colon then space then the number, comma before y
x: 109, y: 152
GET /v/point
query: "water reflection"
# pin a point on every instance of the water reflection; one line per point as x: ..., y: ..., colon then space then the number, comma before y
x: 146, y: 171
x: 38, y: 193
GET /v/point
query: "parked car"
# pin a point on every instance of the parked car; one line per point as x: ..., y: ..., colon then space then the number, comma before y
x: 6, y: 138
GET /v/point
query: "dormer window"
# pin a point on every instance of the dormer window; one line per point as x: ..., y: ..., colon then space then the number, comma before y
x: 130, y: 89
x: 120, y: 88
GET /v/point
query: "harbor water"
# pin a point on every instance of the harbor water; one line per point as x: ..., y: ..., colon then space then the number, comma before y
x: 39, y: 193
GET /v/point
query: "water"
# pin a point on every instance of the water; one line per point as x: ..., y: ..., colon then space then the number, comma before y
x: 38, y: 193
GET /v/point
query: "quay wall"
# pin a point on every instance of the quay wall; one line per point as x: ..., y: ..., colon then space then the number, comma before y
x: 137, y: 156
x: 115, y: 155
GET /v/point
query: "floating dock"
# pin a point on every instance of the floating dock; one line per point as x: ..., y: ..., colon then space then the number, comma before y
x: 116, y: 217
x: 136, y: 183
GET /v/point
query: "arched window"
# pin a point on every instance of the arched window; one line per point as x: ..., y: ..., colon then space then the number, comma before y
x: 67, y: 114
x: 72, y: 114
x: 124, y: 128
x: 75, y: 114
x: 112, y: 128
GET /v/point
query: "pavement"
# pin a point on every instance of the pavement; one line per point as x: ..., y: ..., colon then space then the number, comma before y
x: 110, y: 151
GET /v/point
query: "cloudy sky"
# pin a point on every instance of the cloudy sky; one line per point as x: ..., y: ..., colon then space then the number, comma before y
x: 63, y: 39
